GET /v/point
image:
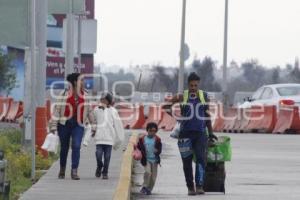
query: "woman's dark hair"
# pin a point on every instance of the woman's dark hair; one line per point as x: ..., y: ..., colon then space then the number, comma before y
x: 72, y: 78
x: 151, y: 125
x: 193, y: 77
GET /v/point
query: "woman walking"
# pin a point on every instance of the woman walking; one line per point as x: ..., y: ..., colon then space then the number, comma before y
x: 72, y: 111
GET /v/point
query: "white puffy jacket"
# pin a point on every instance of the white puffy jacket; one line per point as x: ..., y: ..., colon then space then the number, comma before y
x: 109, y: 129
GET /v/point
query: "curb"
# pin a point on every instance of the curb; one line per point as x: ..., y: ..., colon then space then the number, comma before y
x: 122, y: 191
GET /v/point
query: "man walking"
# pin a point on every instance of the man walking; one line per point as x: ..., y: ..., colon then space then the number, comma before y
x: 195, y: 124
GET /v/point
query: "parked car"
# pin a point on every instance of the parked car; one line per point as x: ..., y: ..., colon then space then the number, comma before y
x: 276, y: 94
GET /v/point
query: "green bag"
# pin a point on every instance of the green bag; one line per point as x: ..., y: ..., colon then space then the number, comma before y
x: 220, y: 151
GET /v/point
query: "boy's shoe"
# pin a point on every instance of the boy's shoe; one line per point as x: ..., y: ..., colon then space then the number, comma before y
x: 104, y: 176
x: 98, y: 172
x: 143, y: 190
x: 148, y: 192
x: 191, y: 192
x: 199, y: 190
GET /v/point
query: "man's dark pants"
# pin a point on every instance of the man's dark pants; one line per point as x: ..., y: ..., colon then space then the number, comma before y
x: 190, y: 144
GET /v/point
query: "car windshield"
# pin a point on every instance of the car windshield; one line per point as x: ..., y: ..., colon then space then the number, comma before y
x: 289, y: 91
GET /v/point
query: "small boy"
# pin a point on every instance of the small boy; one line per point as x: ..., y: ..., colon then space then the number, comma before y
x: 150, y: 146
x: 109, y: 134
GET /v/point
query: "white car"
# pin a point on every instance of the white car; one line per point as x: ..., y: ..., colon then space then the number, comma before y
x: 277, y: 94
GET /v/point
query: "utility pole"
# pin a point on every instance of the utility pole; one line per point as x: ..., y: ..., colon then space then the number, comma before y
x: 181, y: 67
x: 69, y: 63
x: 225, y: 84
x: 79, y: 42
x: 41, y: 42
x: 33, y: 84
x: 139, y: 82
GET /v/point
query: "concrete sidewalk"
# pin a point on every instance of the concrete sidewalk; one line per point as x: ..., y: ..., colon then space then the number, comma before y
x: 49, y: 187
x: 263, y: 167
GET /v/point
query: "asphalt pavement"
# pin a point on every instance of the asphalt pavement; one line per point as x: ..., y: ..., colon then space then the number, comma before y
x: 263, y: 167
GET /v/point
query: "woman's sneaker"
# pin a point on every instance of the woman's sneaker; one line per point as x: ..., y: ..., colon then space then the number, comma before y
x: 98, y: 172
x: 62, y: 173
x: 191, y: 192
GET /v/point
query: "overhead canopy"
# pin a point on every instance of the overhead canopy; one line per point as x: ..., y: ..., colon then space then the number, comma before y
x: 15, y: 18
x: 62, y: 6
x: 14, y: 23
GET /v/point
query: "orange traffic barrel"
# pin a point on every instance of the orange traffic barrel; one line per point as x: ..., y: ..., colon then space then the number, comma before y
x: 41, y: 129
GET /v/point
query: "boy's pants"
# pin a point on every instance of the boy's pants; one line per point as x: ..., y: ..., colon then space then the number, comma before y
x: 103, y: 151
x: 150, y: 175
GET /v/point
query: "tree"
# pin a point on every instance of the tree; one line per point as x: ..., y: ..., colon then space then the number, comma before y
x: 205, y: 70
x: 162, y: 79
x: 7, y: 73
x: 276, y: 75
x: 295, y: 74
x: 254, y: 74
x: 122, y: 89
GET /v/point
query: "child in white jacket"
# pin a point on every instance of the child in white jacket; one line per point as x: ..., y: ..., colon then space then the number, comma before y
x: 109, y: 134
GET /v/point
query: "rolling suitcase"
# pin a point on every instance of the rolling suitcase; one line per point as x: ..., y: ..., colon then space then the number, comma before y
x: 218, y: 153
x: 215, y: 175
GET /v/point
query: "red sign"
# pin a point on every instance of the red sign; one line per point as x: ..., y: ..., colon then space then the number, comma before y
x: 55, y: 61
x: 56, y: 66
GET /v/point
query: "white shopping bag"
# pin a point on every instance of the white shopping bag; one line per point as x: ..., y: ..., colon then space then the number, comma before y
x: 176, y: 130
x: 51, y: 143
x: 87, y: 136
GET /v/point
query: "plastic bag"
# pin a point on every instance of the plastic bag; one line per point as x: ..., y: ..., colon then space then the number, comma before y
x: 220, y: 151
x: 51, y: 143
x: 176, y: 130
x: 87, y: 136
x: 137, y: 154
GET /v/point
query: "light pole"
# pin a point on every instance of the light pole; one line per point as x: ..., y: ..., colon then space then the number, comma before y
x: 69, y: 63
x: 139, y: 82
x: 225, y: 84
x: 181, y: 67
x: 41, y: 38
x: 33, y: 84
x: 79, y: 42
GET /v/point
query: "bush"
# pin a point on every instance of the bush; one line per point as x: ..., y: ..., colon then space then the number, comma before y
x: 14, y: 136
x: 19, y: 161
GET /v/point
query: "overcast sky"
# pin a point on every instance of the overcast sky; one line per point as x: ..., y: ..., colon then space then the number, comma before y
x: 135, y: 32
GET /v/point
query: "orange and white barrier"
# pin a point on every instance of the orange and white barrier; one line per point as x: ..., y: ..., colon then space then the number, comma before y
x: 155, y: 114
x: 132, y: 115
x: 288, y: 120
x: 15, y: 111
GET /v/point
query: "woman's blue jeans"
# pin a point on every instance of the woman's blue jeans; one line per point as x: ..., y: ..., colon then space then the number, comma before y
x: 72, y: 129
